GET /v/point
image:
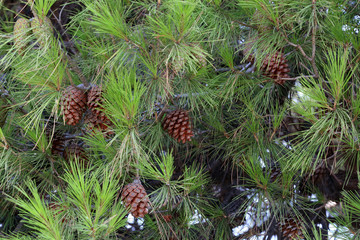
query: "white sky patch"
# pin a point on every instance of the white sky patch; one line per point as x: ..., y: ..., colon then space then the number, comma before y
x: 197, y: 218
x: 131, y: 219
x: 140, y: 221
x: 346, y: 28
x: 262, y: 163
x: 286, y: 144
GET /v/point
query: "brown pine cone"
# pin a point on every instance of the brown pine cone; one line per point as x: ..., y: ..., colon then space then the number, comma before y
x: 135, y: 198
x: 177, y: 124
x: 75, y: 150
x: 58, y: 145
x: 73, y: 105
x: 291, y: 229
x: 178, y: 65
x: 92, y: 122
x: 319, y: 173
x: 275, y: 67
x: 94, y: 102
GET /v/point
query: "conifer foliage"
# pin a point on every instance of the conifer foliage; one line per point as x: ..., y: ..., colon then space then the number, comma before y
x: 179, y: 119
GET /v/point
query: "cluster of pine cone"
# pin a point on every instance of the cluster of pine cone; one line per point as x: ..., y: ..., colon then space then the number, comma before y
x: 67, y: 148
x: 41, y: 27
x: 75, y: 102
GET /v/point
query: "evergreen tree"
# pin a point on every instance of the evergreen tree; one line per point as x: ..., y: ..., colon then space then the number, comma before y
x: 199, y: 119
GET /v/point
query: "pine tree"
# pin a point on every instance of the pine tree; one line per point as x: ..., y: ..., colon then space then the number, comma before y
x: 179, y: 119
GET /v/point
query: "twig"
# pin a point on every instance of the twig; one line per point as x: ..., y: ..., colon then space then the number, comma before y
x: 298, y: 77
x: 58, y: 19
x: 72, y: 136
x: 54, y: 171
x: 242, y: 67
x: 268, y: 228
x: 187, y: 95
x: 313, y: 40
x: 303, y: 65
x: 298, y: 47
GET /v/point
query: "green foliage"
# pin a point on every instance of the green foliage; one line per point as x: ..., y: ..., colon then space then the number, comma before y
x: 122, y: 98
x: 108, y: 17
x: 41, y: 7
x: 89, y: 203
x: 39, y: 217
x: 265, y: 148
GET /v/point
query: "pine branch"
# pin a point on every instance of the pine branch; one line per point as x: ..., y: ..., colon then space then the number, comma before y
x: 243, y: 67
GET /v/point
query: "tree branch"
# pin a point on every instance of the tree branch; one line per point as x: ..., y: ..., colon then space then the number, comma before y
x: 313, y: 40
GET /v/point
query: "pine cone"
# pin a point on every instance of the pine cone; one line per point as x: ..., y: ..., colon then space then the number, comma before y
x: 57, y: 138
x: 20, y: 34
x: 202, y: 60
x: 43, y: 29
x: 94, y: 102
x: 75, y: 150
x: 134, y: 197
x: 275, y: 67
x: 74, y: 105
x: 319, y: 173
x: 177, y: 124
x: 58, y: 145
x: 291, y: 229
x: 92, y: 122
